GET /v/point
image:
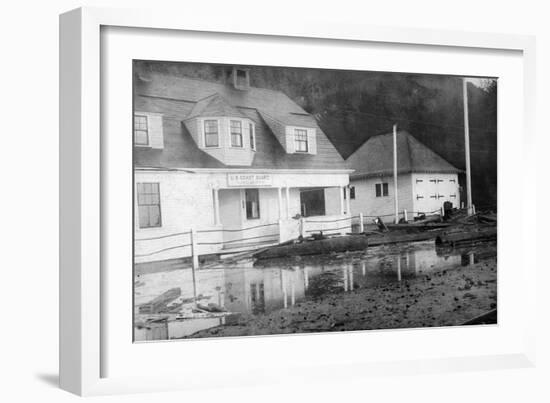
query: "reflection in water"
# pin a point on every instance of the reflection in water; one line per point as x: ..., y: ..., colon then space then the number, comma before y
x: 262, y: 287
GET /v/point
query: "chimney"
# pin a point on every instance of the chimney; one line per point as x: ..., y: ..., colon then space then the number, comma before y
x: 241, y: 78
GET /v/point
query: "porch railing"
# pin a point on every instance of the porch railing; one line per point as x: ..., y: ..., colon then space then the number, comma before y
x: 192, y: 240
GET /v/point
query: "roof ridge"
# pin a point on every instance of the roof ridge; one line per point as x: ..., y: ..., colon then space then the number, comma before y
x: 203, y: 98
x: 202, y: 80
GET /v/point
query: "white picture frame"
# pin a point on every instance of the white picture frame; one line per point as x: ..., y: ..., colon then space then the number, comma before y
x: 83, y: 292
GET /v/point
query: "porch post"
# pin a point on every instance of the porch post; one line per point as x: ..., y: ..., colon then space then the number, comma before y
x: 216, y: 207
x: 287, y: 202
x: 348, y: 208
x: 342, y: 190
x: 279, y: 193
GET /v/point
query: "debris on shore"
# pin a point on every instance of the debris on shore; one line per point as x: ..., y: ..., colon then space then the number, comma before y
x: 441, y: 298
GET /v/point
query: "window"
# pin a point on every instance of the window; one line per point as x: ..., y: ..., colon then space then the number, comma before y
x: 352, y: 192
x: 141, y: 135
x: 381, y: 189
x: 211, y: 138
x: 252, y: 137
x: 236, y: 133
x: 148, y: 198
x: 300, y: 140
x: 252, y: 202
x: 312, y: 202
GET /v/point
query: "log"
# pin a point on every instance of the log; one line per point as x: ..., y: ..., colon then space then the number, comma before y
x: 487, y: 218
x: 160, y: 302
x: 454, y: 238
x: 323, y: 246
x: 343, y: 244
x: 392, y: 238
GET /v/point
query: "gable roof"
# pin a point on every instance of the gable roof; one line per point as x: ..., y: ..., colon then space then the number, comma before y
x: 214, y: 105
x: 179, y: 99
x: 375, y: 157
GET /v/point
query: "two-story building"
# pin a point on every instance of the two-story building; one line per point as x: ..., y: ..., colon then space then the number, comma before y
x: 424, y: 179
x: 235, y: 163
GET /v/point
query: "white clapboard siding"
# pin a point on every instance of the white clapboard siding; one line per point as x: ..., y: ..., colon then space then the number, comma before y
x: 290, y: 148
x: 156, y: 137
x: 312, y: 141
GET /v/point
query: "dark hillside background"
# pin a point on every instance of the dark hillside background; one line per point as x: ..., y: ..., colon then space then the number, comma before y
x: 352, y: 106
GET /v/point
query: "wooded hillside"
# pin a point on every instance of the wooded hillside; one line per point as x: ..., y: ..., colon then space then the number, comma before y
x: 352, y: 106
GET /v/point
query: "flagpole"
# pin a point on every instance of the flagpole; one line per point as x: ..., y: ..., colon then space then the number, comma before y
x: 396, y: 203
x: 467, y: 148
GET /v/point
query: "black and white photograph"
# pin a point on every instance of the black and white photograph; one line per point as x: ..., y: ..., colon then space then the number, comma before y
x: 276, y: 200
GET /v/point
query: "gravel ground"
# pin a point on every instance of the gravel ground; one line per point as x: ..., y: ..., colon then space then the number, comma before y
x: 443, y: 298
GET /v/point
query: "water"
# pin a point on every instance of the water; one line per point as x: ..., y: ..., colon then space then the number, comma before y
x: 256, y: 288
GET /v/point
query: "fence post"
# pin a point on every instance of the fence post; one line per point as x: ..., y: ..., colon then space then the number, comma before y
x: 303, y: 227
x: 405, y: 215
x: 195, y: 261
x: 361, y: 224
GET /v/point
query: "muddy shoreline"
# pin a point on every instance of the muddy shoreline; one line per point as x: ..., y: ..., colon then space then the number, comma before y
x: 439, y: 298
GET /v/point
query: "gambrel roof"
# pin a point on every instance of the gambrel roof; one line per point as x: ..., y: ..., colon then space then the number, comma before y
x: 375, y: 157
x: 179, y: 98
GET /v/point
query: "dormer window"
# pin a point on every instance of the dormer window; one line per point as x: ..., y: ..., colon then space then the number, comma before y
x: 211, y: 135
x: 148, y: 130
x: 300, y: 141
x: 236, y: 133
x: 141, y: 131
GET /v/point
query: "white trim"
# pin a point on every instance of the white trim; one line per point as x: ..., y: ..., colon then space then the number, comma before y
x: 252, y: 130
x: 203, y: 129
x: 240, y: 120
x: 144, y: 115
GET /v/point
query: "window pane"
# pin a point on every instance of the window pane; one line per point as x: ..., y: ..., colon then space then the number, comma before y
x: 211, y: 140
x: 211, y: 126
x: 141, y: 137
x: 236, y: 140
x: 211, y: 133
x: 143, y: 216
x: 300, y: 139
x: 154, y: 198
x: 378, y: 190
x: 236, y: 133
x: 148, y: 198
x: 140, y: 122
x: 385, y: 189
x: 154, y: 216
x: 236, y: 126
